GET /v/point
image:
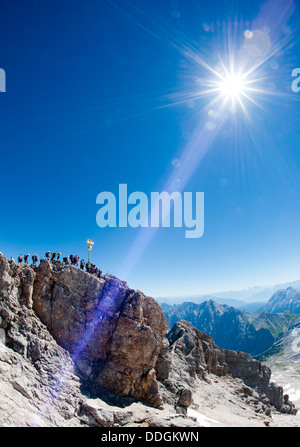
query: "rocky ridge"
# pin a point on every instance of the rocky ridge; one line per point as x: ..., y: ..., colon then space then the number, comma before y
x: 78, y: 350
x: 232, y: 328
x: 193, y: 356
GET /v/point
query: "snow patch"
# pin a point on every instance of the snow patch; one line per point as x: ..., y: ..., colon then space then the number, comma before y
x: 201, y: 418
x: 2, y: 340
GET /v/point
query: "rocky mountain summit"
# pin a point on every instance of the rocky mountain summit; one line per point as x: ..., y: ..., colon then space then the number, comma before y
x: 113, y: 333
x: 77, y: 350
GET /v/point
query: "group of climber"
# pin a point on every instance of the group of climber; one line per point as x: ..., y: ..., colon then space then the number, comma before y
x: 89, y: 267
x: 71, y: 260
x: 34, y: 258
x: 52, y: 255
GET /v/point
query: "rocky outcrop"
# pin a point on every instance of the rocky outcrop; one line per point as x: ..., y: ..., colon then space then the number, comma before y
x: 193, y: 355
x: 80, y: 350
x: 113, y: 333
x: 36, y: 373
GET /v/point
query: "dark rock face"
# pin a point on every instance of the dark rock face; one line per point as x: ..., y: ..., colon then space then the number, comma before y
x: 192, y: 355
x: 113, y: 333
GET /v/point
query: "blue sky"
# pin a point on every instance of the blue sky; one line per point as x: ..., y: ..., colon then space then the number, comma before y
x: 103, y: 92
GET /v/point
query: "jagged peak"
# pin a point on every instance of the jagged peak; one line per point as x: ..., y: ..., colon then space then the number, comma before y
x: 74, y: 328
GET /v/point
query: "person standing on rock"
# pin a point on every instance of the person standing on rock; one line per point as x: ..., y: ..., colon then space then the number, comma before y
x: 26, y: 258
x: 34, y: 260
x: 53, y: 254
x: 20, y: 259
x: 58, y: 255
x: 48, y: 255
x: 82, y: 264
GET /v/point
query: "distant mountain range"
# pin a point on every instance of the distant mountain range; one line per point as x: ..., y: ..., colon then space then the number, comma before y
x: 235, y: 329
x: 250, y: 299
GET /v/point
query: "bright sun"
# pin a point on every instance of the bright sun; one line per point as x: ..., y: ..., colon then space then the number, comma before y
x: 232, y: 87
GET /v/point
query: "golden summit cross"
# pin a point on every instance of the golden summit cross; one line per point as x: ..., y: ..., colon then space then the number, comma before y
x: 90, y: 247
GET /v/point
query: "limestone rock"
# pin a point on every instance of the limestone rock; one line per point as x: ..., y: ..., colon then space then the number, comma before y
x: 113, y: 333
x: 39, y: 385
x: 193, y: 355
x: 60, y: 327
x: 69, y: 339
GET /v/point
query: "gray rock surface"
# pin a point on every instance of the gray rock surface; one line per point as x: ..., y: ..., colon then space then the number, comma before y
x: 193, y: 355
x: 113, y: 333
x: 40, y: 382
x: 76, y: 350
